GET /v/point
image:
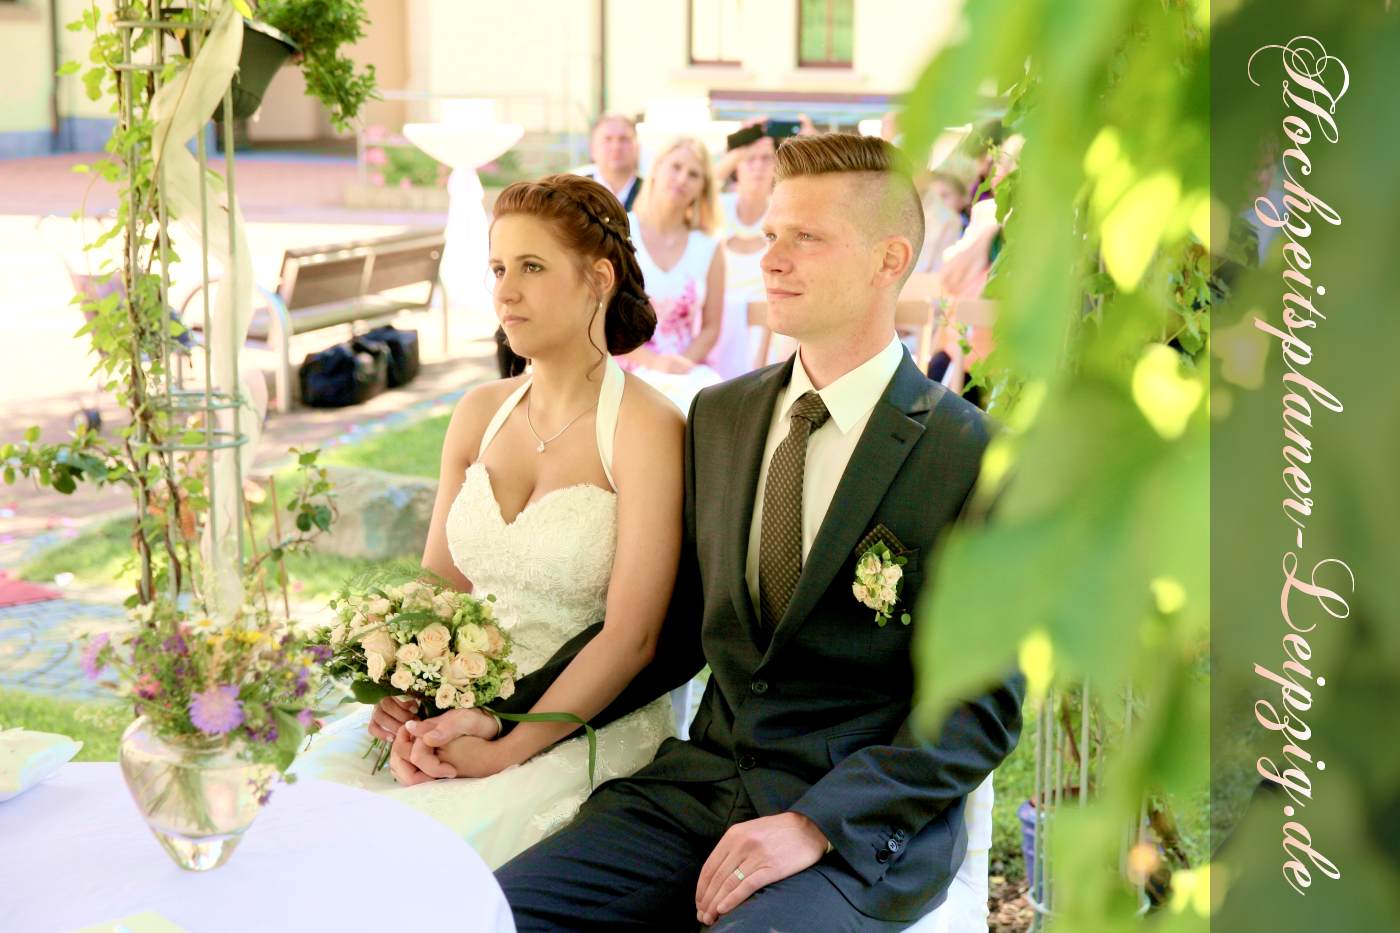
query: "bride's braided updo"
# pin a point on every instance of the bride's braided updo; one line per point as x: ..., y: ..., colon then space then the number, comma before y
x: 590, y: 222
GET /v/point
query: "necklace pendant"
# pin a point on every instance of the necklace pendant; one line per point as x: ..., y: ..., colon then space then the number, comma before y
x: 540, y: 448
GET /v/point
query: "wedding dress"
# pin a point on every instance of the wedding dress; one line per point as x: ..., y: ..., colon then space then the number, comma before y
x: 549, y: 571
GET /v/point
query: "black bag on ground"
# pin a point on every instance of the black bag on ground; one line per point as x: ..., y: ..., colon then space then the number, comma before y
x: 403, y: 352
x: 345, y: 374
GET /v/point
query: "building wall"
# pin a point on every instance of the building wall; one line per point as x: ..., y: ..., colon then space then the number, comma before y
x: 26, y: 74
x: 536, y: 57
x: 648, y: 55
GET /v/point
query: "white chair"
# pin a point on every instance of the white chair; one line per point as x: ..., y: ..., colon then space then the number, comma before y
x: 685, y: 701
x: 965, y: 909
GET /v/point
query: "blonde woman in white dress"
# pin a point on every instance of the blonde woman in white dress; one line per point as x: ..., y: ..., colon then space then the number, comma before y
x: 561, y: 495
x: 672, y: 226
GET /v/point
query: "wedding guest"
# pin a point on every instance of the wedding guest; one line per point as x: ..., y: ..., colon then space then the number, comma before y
x: 672, y: 228
x: 612, y: 145
x: 741, y: 234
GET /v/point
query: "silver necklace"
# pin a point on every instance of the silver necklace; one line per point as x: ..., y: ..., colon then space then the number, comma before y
x: 543, y: 442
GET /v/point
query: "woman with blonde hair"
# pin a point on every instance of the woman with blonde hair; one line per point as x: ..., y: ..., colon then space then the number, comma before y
x: 672, y: 226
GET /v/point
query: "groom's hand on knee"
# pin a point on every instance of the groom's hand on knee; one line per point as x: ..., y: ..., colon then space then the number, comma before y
x: 753, y: 855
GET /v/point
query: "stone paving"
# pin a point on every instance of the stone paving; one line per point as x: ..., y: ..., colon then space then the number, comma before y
x: 40, y: 644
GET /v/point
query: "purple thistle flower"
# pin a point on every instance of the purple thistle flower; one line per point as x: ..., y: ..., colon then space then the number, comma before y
x: 216, y: 711
x: 322, y: 653
x: 175, y: 644
x: 306, y: 718
x: 88, y: 661
x: 270, y: 735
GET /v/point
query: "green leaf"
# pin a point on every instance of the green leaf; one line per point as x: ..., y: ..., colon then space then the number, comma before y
x: 31, y: 434
x: 69, y: 68
x: 369, y: 692
x: 290, y: 732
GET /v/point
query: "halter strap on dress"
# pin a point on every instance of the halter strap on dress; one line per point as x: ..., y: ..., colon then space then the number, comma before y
x: 609, y: 404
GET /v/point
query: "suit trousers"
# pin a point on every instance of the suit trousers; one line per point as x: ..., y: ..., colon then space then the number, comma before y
x: 631, y: 860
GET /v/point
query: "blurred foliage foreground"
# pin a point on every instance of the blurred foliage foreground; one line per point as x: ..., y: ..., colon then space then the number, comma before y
x: 1095, y: 565
x: 1124, y: 251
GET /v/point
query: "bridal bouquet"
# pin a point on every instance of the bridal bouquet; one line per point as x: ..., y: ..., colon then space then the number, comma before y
x: 432, y: 643
x: 427, y: 641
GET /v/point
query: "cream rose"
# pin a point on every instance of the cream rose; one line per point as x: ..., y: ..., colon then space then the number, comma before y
x: 446, y: 697
x: 456, y: 671
x: 474, y: 663
x: 379, y: 641
x: 376, y: 609
x: 495, y: 641
x: 507, y: 687
x: 444, y: 605
x: 434, y: 640
x: 338, y: 635
x: 892, y: 575
x: 888, y: 596
x: 375, y: 665
x: 471, y: 638
x: 409, y: 652
x: 402, y: 679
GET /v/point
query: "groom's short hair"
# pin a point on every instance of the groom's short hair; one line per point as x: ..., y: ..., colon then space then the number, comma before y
x: 894, y: 208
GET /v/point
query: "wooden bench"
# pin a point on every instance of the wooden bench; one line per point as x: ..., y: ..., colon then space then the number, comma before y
x: 343, y: 283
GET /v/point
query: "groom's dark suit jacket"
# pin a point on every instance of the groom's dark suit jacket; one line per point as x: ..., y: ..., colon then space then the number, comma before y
x: 815, y: 716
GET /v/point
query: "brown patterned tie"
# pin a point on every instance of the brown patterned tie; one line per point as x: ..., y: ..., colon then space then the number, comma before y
x: 780, y: 536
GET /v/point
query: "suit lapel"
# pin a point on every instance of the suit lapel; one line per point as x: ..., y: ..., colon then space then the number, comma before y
x: 750, y: 436
x: 889, y: 436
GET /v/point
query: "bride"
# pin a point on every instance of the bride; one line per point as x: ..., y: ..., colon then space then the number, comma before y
x: 561, y: 495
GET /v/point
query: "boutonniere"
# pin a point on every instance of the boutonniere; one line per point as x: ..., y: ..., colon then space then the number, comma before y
x: 879, y: 579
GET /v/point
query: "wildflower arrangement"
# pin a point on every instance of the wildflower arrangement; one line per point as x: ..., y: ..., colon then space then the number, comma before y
x: 251, y: 681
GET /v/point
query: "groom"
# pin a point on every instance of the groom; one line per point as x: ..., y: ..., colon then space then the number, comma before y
x: 804, y: 799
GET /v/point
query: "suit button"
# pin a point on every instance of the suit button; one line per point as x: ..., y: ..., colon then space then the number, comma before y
x: 892, y: 845
x: 882, y: 856
x: 760, y: 687
x: 746, y: 762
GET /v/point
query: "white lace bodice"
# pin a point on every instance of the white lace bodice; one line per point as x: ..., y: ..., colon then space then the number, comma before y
x: 549, y: 568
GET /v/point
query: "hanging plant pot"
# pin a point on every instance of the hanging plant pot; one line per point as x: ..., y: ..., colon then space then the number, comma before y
x: 265, y: 51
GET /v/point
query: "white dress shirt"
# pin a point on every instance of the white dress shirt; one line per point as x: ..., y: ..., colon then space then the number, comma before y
x: 850, y: 400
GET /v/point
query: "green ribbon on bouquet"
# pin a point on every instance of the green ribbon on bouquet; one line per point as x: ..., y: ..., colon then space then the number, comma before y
x: 588, y: 731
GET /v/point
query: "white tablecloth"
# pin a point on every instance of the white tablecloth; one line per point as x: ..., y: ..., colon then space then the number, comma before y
x: 75, y: 852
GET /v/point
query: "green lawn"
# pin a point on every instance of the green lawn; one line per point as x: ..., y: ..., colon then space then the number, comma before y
x: 415, y: 450
x: 97, y: 724
x: 98, y: 555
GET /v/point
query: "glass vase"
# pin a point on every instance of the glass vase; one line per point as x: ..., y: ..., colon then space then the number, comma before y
x: 198, y: 795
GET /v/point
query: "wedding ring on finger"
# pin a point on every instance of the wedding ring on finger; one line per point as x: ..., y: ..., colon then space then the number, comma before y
x: 739, y: 873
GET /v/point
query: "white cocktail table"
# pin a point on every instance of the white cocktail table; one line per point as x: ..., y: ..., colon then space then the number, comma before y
x: 75, y: 852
